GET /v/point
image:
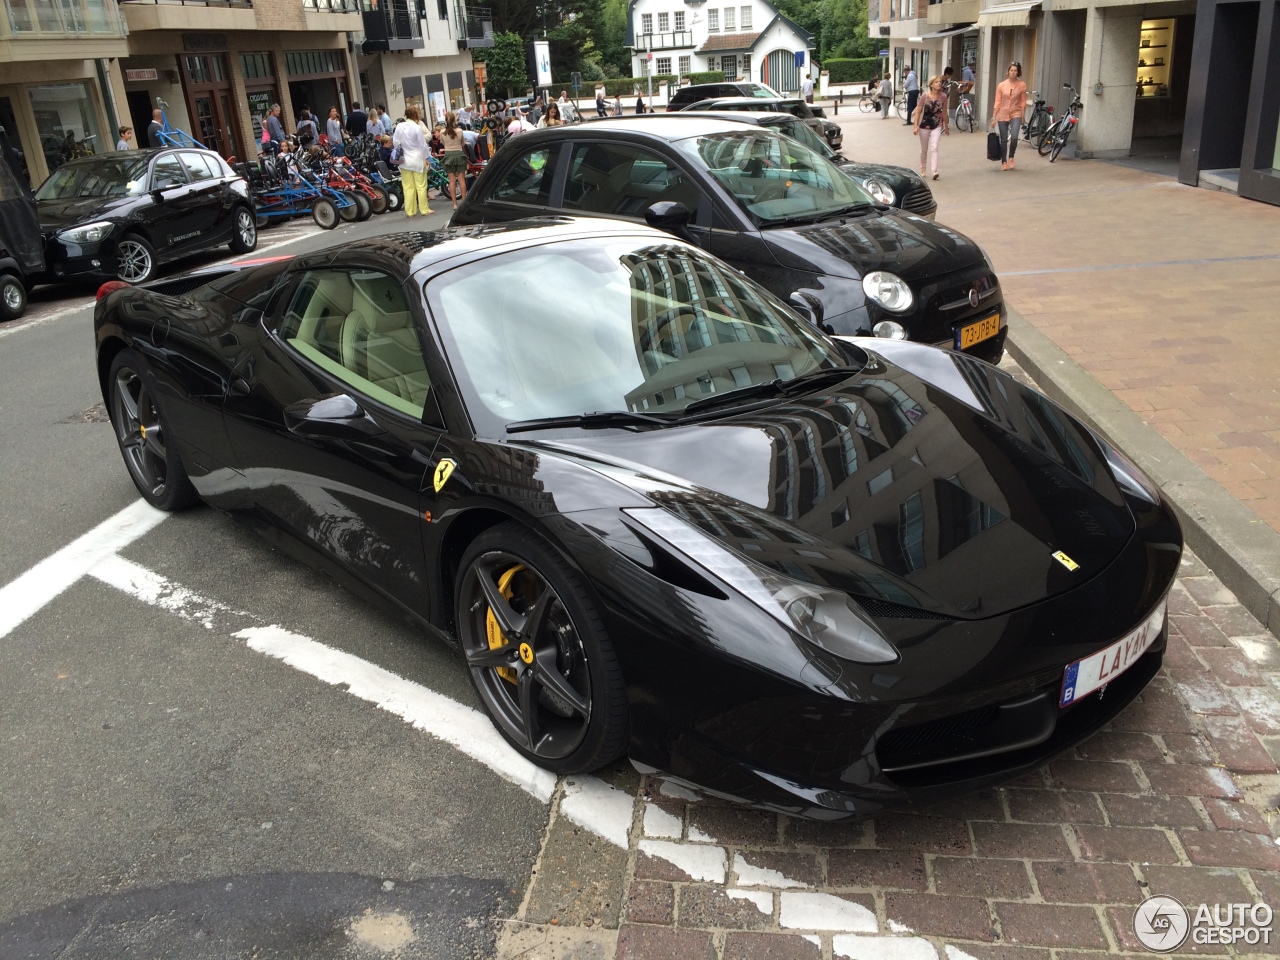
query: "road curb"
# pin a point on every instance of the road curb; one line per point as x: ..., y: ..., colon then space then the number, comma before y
x: 1231, y: 539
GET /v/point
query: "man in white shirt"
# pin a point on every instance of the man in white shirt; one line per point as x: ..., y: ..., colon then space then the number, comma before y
x: 806, y: 88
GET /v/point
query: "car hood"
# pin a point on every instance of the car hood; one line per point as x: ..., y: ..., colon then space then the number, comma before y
x: 912, y: 247
x: 56, y: 214
x: 930, y: 484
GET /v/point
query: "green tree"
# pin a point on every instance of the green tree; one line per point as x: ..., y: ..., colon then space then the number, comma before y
x: 507, y: 69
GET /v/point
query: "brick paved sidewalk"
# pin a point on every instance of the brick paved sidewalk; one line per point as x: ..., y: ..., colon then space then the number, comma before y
x: 1166, y: 294
x: 1177, y: 796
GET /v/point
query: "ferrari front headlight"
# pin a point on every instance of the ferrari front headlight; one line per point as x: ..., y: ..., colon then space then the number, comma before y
x: 824, y: 616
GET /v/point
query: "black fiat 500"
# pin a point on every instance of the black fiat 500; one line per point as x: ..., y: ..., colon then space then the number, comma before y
x: 770, y: 206
x: 124, y: 214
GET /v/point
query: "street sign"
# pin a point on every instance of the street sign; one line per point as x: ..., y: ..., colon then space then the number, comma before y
x: 542, y: 60
x: 482, y: 72
x: 882, y: 53
x: 575, y: 81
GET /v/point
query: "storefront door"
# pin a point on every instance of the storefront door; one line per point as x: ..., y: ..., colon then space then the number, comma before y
x: 208, y: 87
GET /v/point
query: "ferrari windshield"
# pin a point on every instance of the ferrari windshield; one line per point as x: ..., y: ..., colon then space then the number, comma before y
x: 111, y: 176
x: 775, y: 179
x: 586, y: 326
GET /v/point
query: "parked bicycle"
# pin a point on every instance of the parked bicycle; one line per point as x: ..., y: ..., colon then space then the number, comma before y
x: 1056, y: 137
x: 1040, y: 121
x: 964, y: 118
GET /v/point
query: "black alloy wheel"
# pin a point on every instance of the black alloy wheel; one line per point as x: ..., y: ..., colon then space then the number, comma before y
x: 13, y: 297
x: 144, y: 437
x: 537, y: 653
x: 244, y: 232
x: 135, y: 259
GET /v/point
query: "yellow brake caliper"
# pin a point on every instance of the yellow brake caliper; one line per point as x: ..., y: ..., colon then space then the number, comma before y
x: 493, y: 633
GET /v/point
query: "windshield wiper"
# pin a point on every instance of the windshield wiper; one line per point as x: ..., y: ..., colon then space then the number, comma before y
x: 836, y: 214
x: 772, y: 388
x: 600, y: 418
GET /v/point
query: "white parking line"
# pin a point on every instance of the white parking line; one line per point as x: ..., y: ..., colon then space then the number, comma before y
x: 32, y: 590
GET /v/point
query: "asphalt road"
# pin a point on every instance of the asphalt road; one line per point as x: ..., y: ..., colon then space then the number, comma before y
x: 171, y: 784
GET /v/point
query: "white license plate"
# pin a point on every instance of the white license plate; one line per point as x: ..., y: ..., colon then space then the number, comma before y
x: 1097, y: 670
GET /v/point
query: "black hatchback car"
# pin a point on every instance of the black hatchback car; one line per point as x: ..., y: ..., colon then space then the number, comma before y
x: 814, y: 117
x: 892, y: 185
x: 770, y: 206
x: 685, y: 97
x: 124, y: 214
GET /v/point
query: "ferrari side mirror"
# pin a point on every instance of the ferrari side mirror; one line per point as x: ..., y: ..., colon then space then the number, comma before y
x: 334, y: 417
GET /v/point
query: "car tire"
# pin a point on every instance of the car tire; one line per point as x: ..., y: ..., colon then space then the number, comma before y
x: 135, y: 259
x: 13, y: 297
x: 325, y: 213
x: 380, y: 201
x: 143, y: 435
x: 553, y: 688
x: 244, y: 231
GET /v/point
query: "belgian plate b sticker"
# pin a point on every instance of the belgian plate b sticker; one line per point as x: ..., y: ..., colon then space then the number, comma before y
x: 444, y: 470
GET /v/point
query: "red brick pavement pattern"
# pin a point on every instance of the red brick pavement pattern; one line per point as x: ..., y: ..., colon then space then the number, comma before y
x: 1155, y: 288
x: 1178, y: 796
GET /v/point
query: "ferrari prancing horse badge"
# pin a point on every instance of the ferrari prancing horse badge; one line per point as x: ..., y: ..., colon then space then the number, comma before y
x: 444, y: 470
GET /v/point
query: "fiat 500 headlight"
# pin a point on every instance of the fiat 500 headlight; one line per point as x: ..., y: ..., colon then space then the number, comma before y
x: 888, y: 290
x: 89, y: 233
x: 824, y: 616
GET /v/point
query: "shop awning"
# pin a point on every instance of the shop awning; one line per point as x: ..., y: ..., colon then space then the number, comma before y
x: 1008, y: 14
x: 949, y: 32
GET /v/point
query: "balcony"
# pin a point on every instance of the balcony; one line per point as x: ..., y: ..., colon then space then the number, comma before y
x: 334, y: 16
x: 220, y: 15
x: 679, y: 40
x: 954, y: 11
x: 475, y: 26
x: 391, y: 25
x: 71, y: 29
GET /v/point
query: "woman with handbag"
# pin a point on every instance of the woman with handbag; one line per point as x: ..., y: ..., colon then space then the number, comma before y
x: 1008, y: 110
x: 931, y: 123
x: 411, y: 153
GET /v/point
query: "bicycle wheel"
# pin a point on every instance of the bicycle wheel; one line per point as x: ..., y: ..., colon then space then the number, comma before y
x: 1036, y: 126
x: 964, y: 119
x: 1059, y: 142
x: 1045, y: 143
x: 866, y: 104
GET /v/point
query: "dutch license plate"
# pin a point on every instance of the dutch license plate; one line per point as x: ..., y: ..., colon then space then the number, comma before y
x: 1097, y: 670
x: 984, y: 329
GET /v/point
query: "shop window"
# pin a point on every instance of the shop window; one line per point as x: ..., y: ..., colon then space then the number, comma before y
x: 1155, y: 54
x: 442, y: 7
x: 67, y: 119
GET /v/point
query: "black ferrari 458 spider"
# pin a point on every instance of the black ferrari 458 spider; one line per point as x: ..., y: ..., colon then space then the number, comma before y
x: 657, y: 512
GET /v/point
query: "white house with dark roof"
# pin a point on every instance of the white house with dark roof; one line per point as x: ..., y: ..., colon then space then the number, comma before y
x: 747, y: 41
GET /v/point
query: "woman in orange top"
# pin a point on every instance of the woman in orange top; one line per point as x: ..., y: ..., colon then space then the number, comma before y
x: 1010, y: 105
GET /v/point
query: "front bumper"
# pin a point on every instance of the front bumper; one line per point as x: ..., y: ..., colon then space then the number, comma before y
x: 89, y: 260
x: 971, y: 703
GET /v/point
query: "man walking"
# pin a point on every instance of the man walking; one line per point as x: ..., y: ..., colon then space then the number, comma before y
x: 806, y: 88
x: 601, y: 109
x: 911, y: 86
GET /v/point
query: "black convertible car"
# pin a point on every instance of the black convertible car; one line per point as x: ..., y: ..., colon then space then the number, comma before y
x: 660, y: 514
x: 766, y: 204
x: 125, y: 214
